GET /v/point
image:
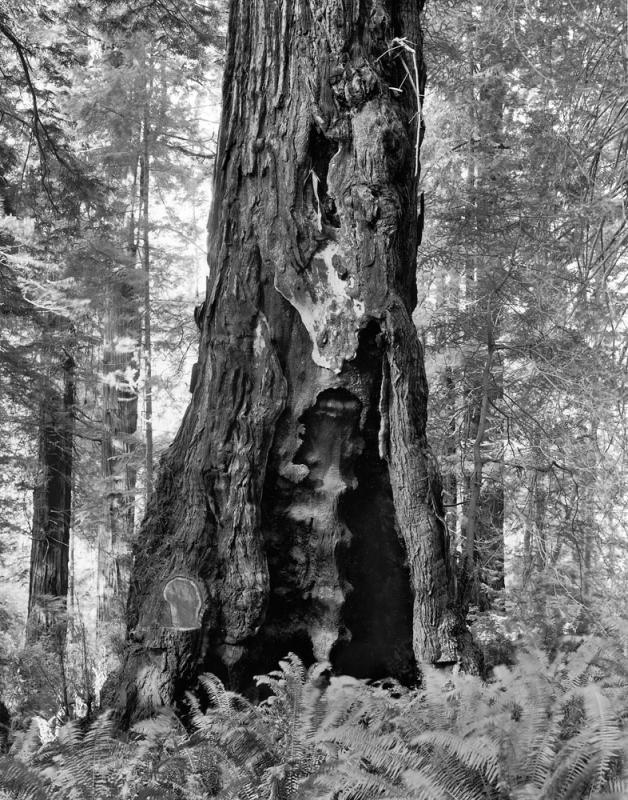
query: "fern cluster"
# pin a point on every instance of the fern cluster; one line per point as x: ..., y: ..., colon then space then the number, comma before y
x: 96, y: 762
x: 541, y: 730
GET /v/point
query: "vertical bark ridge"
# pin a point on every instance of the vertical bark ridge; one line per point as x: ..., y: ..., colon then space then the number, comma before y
x: 438, y: 635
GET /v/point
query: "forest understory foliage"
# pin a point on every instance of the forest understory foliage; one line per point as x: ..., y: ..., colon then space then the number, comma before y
x: 107, y: 121
x: 542, y: 728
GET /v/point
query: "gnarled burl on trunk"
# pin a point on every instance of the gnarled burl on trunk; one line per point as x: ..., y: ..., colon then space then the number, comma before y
x: 298, y: 508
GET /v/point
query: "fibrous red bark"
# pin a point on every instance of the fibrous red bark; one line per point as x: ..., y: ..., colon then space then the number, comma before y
x: 299, y: 495
x: 52, y: 507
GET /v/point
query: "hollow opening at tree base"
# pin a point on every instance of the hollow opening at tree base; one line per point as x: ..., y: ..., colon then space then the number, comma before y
x: 378, y: 611
x: 339, y: 582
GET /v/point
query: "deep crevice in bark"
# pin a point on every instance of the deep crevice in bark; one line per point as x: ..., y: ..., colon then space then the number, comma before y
x: 378, y: 609
x: 322, y: 151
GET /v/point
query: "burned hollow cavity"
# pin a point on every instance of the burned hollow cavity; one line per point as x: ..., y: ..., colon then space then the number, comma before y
x: 378, y: 610
x: 339, y: 584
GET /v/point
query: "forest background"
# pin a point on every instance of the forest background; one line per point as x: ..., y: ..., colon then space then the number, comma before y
x: 109, y: 114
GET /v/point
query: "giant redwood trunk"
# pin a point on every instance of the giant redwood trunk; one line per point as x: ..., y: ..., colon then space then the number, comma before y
x: 52, y: 505
x: 298, y: 508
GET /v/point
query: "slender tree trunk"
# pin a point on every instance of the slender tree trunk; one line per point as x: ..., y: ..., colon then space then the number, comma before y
x: 299, y: 507
x: 147, y: 342
x: 119, y: 400
x: 5, y: 727
x: 475, y: 483
x: 535, y: 547
x: 52, y: 506
x: 483, y: 563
